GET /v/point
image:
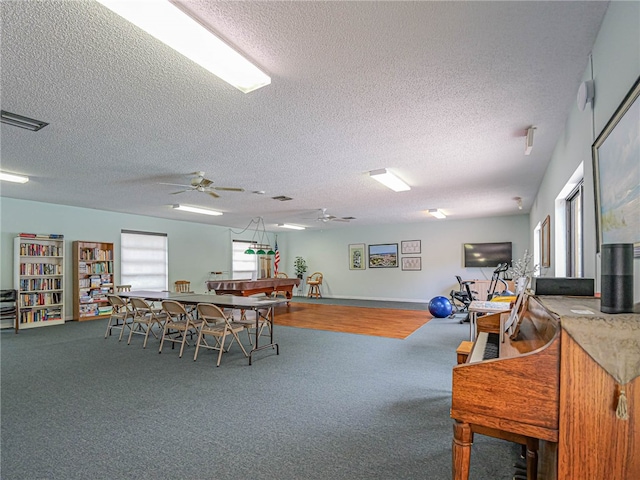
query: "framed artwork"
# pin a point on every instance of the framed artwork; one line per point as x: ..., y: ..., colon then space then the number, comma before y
x: 616, y: 170
x: 357, y: 260
x: 545, y: 239
x: 411, y: 263
x: 409, y: 247
x: 383, y: 255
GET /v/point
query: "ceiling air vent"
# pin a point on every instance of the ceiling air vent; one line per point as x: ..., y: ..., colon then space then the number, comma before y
x: 20, y: 121
x: 282, y: 198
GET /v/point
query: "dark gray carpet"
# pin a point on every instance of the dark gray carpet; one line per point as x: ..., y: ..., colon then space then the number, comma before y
x: 330, y: 406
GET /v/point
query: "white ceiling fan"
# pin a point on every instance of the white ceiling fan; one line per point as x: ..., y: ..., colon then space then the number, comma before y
x: 324, y: 217
x: 200, y: 184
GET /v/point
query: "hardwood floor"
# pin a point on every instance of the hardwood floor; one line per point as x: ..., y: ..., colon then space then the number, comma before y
x: 380, y: 322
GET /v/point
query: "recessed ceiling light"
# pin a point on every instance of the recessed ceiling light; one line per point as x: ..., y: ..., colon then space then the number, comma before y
x: 10, y: 177
x: 292, y: 227
x: 435, y: 212
x: 203, y: 211
x: 389, y: 180
x: 171, y: 25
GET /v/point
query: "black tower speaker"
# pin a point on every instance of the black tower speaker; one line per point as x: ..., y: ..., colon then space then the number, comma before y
x: 617, y: 278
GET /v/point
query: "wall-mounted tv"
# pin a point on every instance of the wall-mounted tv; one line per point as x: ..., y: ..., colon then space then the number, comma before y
x: 487, y: 254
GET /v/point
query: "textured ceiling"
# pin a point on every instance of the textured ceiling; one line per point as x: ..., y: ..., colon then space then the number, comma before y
x: 441, y: 93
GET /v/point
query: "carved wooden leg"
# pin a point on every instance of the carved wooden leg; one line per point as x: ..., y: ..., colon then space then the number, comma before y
x: 462, y: 440
x: 532, y: 458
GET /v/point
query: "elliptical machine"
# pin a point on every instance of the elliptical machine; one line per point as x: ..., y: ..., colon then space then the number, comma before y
x: 462, y: 298
x: 495, y: 278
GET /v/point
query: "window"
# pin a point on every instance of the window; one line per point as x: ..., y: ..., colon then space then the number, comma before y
x: 144, y: 260
x: 574, y: 232
x: 244, y: 265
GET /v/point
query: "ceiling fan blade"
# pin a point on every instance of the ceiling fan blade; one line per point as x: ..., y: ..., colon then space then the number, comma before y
x: 229, y: 189
x: 341, y: 220
x: 175, y: 184
x: 213, y: 194
x: 181, y: 191
x: 205, y: 182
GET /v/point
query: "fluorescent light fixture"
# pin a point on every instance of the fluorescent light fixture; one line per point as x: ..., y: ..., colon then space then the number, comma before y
x: 203, y: 211
x: 435, y: 212
x: 529, y: 141
x: 389, y: 180
x: 20, y: 121
x: 169, y: 24
x: 10, y: 177
x: 292, y: 227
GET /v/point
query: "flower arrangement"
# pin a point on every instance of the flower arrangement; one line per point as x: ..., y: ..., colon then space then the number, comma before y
x: 523, y: 269
x: 300, y: 266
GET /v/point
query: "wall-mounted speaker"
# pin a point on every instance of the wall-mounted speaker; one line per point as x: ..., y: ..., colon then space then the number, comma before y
x: 585, y: 94
x: 616, y: 265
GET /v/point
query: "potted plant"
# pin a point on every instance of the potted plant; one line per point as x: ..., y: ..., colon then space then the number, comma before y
x: 300, y: 266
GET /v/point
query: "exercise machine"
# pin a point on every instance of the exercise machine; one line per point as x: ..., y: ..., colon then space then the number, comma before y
x: 495, y: 279
x: 462, y: 298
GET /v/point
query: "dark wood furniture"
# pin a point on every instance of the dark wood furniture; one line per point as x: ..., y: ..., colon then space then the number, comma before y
x: 545, y: 392
x: 246, y: 288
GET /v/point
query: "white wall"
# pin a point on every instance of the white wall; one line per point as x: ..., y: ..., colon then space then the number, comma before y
x: 616, y: 67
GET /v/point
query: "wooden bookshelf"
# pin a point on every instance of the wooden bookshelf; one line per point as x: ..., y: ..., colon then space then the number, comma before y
x: 38, y: 276
x: 92, y: 279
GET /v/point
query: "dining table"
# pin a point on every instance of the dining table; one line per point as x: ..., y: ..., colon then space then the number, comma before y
x: 262, y: 306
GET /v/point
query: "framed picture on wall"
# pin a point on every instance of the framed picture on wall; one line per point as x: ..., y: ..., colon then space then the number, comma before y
x: 357, y: 260
x: 383, y: 255
x: 411, y: 263
x: 545, y: 240
x: 616, y: 169
x: 409, y: 247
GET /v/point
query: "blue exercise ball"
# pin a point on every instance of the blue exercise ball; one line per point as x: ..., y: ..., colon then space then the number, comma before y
x: 440, y: 307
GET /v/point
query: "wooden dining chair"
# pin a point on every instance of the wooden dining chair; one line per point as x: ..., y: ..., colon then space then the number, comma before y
x: 179, y: 325
x: 217, y: 325
x: 182, y: 286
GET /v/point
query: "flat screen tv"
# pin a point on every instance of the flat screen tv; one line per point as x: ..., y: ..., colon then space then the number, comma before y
x: 487, y: 254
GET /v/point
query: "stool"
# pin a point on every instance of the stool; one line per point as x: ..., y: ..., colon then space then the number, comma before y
x: 463, y: 351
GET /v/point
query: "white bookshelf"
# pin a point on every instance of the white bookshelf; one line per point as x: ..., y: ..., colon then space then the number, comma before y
x: 39, y: 280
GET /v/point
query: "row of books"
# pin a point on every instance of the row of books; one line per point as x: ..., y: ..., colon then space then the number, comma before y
x: 31, y: 284
x: 39, y: 250
x: 41, y: 235
x: 91, y: 254
x: 40, y: 299
x: 31, y: 316
x: 92, y: 310
x: 98, y: 267
x: 40, y: 269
